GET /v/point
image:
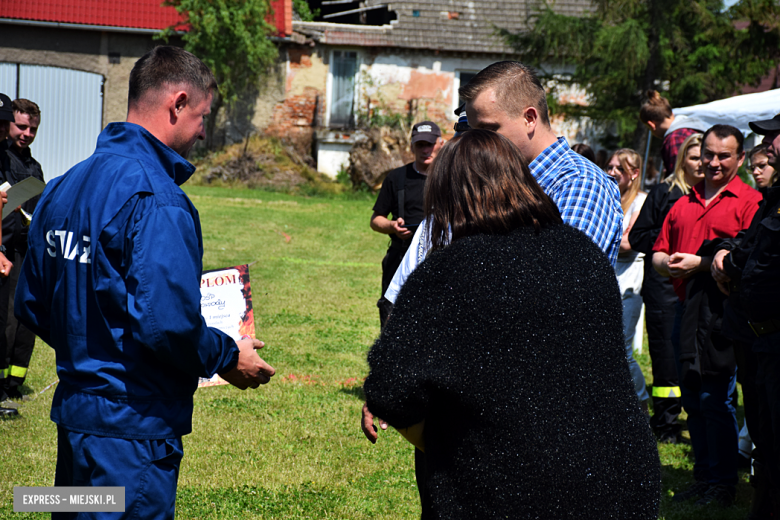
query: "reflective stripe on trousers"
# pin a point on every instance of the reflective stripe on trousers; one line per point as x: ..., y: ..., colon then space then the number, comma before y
x: 666, y: 391
x: 15, y: 371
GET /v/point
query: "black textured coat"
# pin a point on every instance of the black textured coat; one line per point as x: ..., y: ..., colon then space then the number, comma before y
x: 511, y: 349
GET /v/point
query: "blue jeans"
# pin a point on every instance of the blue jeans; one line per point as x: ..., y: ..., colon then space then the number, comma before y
x: 147, y: 469
x: 712, y: 421
x: 629, y: 275
x: 632, y: 308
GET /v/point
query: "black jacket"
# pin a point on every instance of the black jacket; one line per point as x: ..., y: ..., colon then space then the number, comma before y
x: 3, y: 158
x: 754, y: 265
x: 656, y: 289
x: 704, y: 350
x: 20, y: 165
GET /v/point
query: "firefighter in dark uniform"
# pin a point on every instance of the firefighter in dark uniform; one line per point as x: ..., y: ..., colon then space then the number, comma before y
x: 6, y: 116
x: 19, y: 340
x: 402, y: 196
x: 749, y: 272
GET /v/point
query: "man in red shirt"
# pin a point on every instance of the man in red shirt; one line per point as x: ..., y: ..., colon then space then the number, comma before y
x: 718, y: 207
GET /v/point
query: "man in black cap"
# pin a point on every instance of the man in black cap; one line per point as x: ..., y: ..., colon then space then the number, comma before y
x: 749, y: 271
x: 6, y: 117
x: 402, y: 196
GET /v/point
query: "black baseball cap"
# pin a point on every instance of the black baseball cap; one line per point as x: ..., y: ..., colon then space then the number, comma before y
x: 426, y: 131
x: 767, y: 126
x: 6, y: 112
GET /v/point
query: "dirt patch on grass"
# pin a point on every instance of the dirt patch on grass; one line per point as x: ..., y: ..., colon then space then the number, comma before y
x: 255, y: 171
x: 266, y: 163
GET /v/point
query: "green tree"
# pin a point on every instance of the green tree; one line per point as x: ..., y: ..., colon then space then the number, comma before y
x: 302, y: 9
x: 693, y: 51
x: 232, y: 38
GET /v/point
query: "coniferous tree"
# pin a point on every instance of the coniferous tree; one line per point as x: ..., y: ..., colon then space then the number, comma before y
x: 693, y: 51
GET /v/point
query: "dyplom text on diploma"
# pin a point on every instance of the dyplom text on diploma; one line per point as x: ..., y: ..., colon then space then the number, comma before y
x: 226, y: 304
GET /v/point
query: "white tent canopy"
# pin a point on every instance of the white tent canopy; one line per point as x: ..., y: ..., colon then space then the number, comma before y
x: 736, y: 111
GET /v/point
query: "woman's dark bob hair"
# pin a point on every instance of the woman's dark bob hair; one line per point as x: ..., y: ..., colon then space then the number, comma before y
x: 480, y: 184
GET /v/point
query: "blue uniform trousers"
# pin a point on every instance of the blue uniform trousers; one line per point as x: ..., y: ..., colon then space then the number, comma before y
x: 147, y: 469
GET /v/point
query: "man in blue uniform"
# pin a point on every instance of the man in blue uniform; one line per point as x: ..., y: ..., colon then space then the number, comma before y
x: 112, y: 282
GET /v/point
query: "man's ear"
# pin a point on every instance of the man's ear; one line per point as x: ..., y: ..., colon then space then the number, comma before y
x: 180, y: 100
x: 531, y: 118
x: 651, y: 125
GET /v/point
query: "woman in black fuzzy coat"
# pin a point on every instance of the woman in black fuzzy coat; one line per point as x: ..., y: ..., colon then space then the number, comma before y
x: 504, y: 360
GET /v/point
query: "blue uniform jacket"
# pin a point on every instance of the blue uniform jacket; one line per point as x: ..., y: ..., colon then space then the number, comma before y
x: 112, y: 282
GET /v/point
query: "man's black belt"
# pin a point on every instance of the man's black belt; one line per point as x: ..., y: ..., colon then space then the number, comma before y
x: 762, y: 328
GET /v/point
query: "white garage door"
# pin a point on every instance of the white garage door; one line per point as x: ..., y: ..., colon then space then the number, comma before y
x: 71, y: 104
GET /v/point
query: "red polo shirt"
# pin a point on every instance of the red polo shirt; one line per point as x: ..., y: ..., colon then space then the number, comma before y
x: 689, y: 223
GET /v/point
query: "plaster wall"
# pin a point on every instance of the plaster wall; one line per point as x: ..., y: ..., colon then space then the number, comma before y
x: 88, y: 50
x: 417, y: 82
x: 420, y: 82
x: 332, y: 157
x: 432, y: 82
x: 83, y: 50
x: 297, y: 100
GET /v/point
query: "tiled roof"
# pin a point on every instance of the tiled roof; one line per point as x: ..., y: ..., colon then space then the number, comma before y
x: 136, y: 14
x: 140, y: 14
x: 447, y: 25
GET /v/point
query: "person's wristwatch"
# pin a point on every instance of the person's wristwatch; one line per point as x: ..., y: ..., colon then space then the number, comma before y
x: 2, y: 249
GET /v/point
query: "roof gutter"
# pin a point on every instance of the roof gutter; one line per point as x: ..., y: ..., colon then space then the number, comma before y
x: 353, y: 11
x: 62, y: 25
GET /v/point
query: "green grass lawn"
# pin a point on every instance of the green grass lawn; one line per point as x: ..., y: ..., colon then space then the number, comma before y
x: 293, y: 448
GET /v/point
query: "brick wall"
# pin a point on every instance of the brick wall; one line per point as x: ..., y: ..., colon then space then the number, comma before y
x: 304, y: 100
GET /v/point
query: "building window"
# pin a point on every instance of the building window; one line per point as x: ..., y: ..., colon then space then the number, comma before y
x: 343, y: 69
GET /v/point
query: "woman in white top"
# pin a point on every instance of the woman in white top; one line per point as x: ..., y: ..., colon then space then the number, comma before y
x: 625, y: 166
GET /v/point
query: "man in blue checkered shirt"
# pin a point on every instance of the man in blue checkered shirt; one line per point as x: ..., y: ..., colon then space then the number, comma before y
x: 508, y: 98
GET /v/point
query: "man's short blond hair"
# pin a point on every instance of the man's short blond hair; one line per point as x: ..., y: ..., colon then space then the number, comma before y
x: 517, y: 87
